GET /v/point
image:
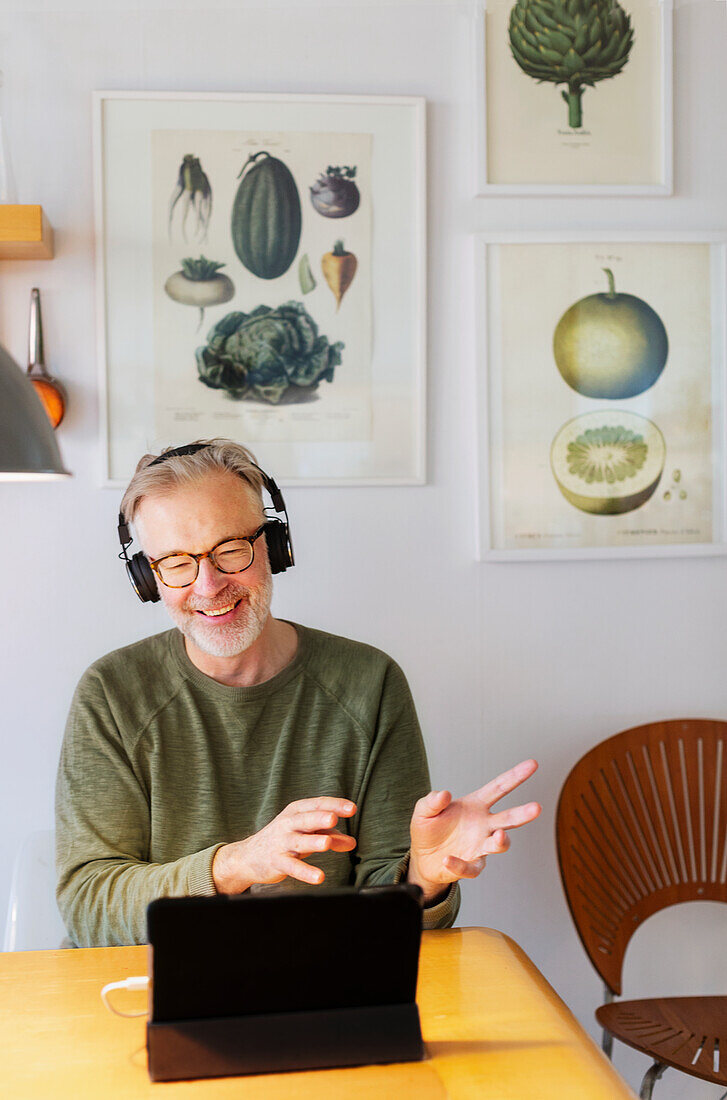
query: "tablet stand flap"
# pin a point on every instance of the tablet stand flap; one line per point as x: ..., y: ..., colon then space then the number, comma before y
x: 272, y: 1043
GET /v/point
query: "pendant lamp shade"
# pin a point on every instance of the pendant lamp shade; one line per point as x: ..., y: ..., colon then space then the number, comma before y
x: 28, y: 448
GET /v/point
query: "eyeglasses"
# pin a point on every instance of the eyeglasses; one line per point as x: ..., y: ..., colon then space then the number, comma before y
x: 229, y: 556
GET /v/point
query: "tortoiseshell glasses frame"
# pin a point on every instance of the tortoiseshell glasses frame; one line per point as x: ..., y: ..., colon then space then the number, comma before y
x: 175, y: 566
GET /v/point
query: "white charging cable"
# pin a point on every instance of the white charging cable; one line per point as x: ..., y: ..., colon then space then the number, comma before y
x: 140, y: 982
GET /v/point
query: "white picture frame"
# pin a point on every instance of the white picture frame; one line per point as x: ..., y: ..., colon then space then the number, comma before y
x: 383, y: 441
x: 530, y: 149
x: 527, y: 396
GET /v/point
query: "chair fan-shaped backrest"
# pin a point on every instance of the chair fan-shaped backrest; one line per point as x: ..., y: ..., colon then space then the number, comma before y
x: 642, y: 824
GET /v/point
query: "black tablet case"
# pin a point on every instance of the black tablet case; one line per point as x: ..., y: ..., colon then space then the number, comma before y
x: 285, y: 981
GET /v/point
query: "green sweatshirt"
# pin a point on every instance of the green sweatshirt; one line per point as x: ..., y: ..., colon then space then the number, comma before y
x: 162, y: 765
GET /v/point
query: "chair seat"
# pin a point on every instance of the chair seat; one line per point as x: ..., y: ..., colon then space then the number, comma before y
x: 688, y: 1033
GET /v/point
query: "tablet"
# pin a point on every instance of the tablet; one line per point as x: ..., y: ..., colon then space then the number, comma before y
x: 303, y: 950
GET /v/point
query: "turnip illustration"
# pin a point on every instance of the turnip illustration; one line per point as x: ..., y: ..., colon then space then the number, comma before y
x: 335, y: 194
x: 200, y: 283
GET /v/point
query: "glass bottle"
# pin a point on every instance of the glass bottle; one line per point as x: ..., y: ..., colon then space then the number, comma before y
x: 7, y: 179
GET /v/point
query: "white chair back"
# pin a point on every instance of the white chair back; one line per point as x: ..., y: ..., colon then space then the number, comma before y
x: 33, y: 921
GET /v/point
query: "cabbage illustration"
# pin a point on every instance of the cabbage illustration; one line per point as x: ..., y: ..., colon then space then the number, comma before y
x: 267, y: 355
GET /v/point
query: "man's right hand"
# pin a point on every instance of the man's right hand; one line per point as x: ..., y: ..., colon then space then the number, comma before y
x: 278, y: 851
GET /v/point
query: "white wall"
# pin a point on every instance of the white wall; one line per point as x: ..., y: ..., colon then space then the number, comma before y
x: 505, y: 660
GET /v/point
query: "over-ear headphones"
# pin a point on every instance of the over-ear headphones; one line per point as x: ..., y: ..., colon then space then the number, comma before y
x: 277, y: 534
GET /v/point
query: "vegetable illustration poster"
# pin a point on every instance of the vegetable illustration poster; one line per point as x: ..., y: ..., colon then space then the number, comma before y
x: 605, y: 396
x: 262, y: 316
x: 575, y: 92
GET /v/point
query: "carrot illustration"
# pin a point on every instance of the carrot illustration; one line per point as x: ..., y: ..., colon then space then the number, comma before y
x: 339, y: 268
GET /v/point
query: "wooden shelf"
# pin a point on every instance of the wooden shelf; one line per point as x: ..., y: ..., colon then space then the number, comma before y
x: 25, y: 233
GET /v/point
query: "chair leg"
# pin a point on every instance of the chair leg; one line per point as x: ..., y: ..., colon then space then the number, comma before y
x: 607, y: 1039
x: 651, y: 1076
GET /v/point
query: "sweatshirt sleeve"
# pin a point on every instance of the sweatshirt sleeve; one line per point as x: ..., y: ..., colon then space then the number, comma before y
x: 104, y: 878
x: 396, y: 777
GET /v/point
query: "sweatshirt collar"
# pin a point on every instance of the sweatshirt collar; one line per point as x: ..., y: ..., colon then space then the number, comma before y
x: 233, y: 693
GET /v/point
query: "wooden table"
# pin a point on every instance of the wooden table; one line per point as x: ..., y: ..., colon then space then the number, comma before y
x: 494, y: 1030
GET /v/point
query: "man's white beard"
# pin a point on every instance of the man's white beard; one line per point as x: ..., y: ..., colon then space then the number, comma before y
x: 226, y: 639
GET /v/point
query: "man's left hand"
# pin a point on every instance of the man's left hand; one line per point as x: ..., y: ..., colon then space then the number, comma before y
x: 451, y: 839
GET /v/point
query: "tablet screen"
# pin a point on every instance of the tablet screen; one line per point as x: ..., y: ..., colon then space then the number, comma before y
x: 284, y: 952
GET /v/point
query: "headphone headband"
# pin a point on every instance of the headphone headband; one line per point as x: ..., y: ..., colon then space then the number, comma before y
x: 277, y: 532
x: 192, y: 448
x: 187, y: 449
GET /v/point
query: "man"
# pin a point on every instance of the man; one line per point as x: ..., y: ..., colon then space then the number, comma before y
x: 239, y: 751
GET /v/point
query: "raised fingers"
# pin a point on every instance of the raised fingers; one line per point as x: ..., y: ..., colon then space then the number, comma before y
x: 497, y: 788
x: 432, y: 804
x: 517, y: 816
x: 303, y: 872
x: 341, y: 842
x: 342, y: 807
x: 495, y: 844
x: 307, y: 844
x: 314, y: 821
x: 464, y: 868
x: 310, y: 843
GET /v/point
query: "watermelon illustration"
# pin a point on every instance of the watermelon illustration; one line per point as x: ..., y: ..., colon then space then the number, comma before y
x: 266, y: 216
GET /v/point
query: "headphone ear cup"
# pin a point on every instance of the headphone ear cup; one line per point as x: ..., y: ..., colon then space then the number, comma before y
x: 141, y: 575
x: 276, y: 537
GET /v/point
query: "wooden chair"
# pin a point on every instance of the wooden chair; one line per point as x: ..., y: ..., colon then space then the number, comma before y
x: 642, y: 824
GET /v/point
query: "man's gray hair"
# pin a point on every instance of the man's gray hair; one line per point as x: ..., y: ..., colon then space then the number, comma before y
x: 217, y: 455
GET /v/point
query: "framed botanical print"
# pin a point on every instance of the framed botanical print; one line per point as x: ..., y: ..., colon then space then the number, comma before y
x: 261, y: 276
x: 574, y: 97
x: 602, y: 405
